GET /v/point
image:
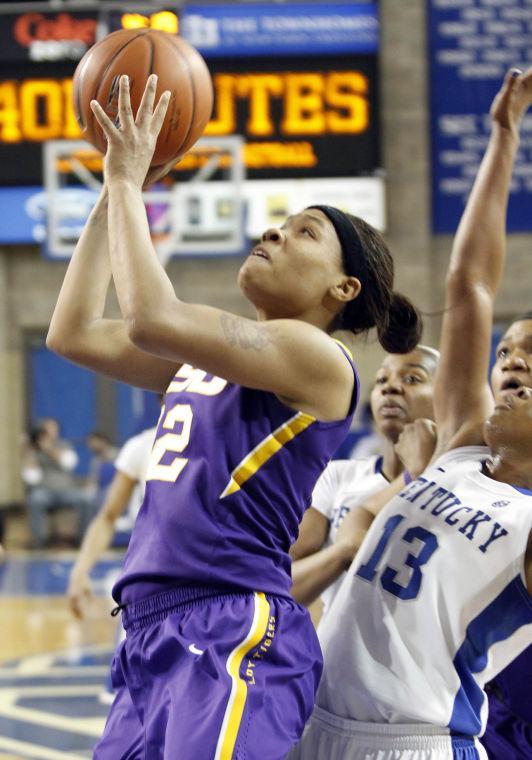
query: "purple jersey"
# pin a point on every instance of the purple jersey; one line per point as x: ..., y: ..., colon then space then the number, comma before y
x: 509, y: 728
x: 231, y: 474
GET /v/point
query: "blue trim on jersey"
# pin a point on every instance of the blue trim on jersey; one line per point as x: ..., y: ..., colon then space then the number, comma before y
x: 525, y: 491
x: 464, y: 748
x: 498, y: 621
x: 378, y: 465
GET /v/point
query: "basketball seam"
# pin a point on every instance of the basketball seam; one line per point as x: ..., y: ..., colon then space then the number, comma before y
x: 117, y: 53
x: 193, y: 87
x: 152, y: 54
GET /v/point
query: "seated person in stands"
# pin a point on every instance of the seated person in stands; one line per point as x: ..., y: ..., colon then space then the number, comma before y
x: 47, y: 471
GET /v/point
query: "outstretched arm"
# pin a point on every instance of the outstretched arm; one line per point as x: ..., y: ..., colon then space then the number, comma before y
x: 291, y: 358
x: 97, y: 539
x: 462, y: 398
x: 78, y: 330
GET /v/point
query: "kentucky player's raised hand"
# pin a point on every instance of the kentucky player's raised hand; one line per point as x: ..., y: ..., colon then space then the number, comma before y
x: 131, y: 144
x: 513, y: 100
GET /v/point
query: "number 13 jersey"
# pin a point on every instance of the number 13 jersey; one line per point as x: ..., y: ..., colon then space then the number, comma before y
x: 435, y: 603
x: 231, y: 474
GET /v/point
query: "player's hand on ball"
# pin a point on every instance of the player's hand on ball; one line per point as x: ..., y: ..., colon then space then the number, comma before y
x: 513, y: 100
x: 415, y: 446
x: 131, y: 144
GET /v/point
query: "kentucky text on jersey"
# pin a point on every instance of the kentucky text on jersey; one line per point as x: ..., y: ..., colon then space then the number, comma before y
x: 474, y: 524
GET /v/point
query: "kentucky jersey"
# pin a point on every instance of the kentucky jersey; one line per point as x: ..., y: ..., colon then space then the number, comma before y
x: 434, y: 604
x: 231, y: 474
x: 342, y: 487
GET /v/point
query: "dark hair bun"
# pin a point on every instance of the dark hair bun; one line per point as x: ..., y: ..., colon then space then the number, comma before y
x: 402, y: 331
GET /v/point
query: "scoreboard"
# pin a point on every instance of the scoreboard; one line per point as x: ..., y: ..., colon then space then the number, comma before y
x: 300, y: 116
x: 297, y: 82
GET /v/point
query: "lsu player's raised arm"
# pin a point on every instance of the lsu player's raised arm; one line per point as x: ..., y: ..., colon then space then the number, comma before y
x: 462, y: 398
x: 289, y: 357
x: 78, y: 330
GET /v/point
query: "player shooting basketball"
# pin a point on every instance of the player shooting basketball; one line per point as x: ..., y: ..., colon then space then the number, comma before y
x: 219, y: 660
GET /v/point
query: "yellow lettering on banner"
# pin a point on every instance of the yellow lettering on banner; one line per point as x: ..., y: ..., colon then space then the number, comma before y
x: 9, y: 113
x: 279, y: 104
x: 224, y: 120
x: 304, y: 105
x: 347, y: 91
x: 259, y: 88
x: 166, y: 21
x: 259, y: 155
x: 134, y: 21
x: 45, y: 93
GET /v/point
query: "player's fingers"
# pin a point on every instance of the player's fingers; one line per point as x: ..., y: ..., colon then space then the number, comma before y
x: 103, y: 120
x: 148, y: 99
x: 160, y: 112
x: 125, y: 111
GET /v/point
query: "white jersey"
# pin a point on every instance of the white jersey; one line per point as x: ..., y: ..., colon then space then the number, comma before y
x: 133, y: 460
x: 435, y: 603
x: 343, y: 485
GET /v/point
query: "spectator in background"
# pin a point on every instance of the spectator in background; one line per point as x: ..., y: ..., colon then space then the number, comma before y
x: 47, y: 466
x: 101, y: 468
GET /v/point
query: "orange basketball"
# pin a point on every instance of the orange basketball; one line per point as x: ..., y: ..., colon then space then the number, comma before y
x: 139, y: 53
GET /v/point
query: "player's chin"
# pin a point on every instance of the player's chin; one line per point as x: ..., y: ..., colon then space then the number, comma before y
x: 390, y: 428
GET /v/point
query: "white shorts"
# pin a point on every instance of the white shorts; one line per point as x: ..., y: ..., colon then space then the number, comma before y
x: 328, y: 737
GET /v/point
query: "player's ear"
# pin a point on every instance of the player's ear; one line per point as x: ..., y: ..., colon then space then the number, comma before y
x: 346, y: 289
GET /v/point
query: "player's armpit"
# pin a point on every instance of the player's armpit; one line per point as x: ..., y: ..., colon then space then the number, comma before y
x: 293, y: 359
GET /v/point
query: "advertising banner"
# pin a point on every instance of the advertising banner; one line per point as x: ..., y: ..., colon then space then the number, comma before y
x: 472, y: 44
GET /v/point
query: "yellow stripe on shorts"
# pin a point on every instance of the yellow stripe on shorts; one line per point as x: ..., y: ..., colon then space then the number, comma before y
x: 239, y: 689
x: 265, y: 450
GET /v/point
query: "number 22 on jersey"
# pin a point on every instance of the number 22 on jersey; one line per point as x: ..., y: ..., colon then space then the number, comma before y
x: 370, y: 569
x: 178, y: 422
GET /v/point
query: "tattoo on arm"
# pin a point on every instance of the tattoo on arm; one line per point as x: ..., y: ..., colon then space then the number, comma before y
x: 238, y: 332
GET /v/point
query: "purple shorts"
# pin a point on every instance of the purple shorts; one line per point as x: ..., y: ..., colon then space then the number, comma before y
x: 507, y: 735
x: 206, y: 674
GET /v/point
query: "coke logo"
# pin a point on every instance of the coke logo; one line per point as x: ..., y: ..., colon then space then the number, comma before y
x: 35, y: 27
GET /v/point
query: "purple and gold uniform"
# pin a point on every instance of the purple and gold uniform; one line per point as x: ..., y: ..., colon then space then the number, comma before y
x: 219, y: 661
x: 509, y: 729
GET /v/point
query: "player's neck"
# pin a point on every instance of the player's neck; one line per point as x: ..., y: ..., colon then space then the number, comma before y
x: 506, y: 470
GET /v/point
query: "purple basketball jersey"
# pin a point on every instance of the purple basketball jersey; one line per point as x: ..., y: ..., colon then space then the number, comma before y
x: 509, y: 728
x: 231, y: 474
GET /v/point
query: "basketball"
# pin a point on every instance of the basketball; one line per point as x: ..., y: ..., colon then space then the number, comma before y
x: 139, y: 53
